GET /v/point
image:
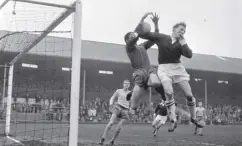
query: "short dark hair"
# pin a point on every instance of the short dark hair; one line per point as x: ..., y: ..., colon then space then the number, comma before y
x: 127, y: 36
x: 178, y: 24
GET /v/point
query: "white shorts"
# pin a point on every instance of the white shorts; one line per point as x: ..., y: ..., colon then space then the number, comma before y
x: 174, y: 72
x: 160, y: 119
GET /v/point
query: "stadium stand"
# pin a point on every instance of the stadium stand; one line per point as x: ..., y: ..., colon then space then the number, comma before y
x: 223, y: 75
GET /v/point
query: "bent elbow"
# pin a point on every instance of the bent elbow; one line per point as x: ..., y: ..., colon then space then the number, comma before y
x: 189, y: 54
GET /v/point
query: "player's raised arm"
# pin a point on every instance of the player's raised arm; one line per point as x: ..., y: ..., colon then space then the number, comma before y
x: 186, y: 51
x: 145, y: 16
x: 131, y: 38
x: 148, y: 44
x: 152, y: 36
x: 155, y: 18
x: 113, y: 98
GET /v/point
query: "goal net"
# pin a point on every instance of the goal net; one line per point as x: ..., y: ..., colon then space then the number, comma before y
x: 35, y: 71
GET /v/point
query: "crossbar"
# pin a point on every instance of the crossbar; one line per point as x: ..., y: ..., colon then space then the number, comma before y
x: 46, y: 4
x: 4, y: 3
x: 52, y: 26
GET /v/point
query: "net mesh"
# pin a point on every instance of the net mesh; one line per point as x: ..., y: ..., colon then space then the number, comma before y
x: 41, y: 77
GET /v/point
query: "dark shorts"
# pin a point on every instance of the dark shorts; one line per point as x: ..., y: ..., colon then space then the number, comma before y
x: 141, y: 76
x: 120, y: 111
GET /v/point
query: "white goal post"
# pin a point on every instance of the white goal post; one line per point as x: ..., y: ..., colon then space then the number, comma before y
x: 76, y: 7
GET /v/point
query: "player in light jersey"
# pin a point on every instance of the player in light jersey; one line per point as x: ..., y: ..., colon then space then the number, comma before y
x: 201, y: 117
x: 160, y: 117
x: 120, y: 110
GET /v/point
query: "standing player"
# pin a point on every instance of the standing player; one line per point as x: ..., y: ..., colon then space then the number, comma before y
x: 119, y: 110
x: 144, y: 74
x: 171, y: 71
x: 201, y: 117
x: 160, y: 117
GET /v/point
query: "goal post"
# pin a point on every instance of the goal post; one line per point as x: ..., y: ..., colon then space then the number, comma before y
x: 9, y: 100
x: 75, y: 76
x: 76, y: 8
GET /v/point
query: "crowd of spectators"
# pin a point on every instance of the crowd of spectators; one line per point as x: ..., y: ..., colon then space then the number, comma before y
x: 98, y: 88
x: 224, y: 114
x: 49, y: 84
x: 57, y: 85
x: 98, y: 110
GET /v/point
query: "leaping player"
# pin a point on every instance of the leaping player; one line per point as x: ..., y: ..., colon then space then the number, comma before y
x: 201, y: 117
x: 119, y: 110
x: 160, y: 117
x: 144, y: 75
x: 171, y: 71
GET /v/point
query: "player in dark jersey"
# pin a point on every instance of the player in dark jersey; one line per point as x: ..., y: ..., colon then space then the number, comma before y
x: 171, y: 71
x: 144, y: 74
x: 160, y: 117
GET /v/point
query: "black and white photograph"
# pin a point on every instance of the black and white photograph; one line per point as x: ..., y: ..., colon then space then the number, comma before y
x: 120, y: 73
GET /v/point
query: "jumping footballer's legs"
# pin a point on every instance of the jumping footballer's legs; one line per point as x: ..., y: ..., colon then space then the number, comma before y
x: 191, y: 101
x: 160, y: 90
x: 139, y: 77
x: 136, y: 95
x: 153, y: 80
x: 167, y: 82
x: 170, y: 103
